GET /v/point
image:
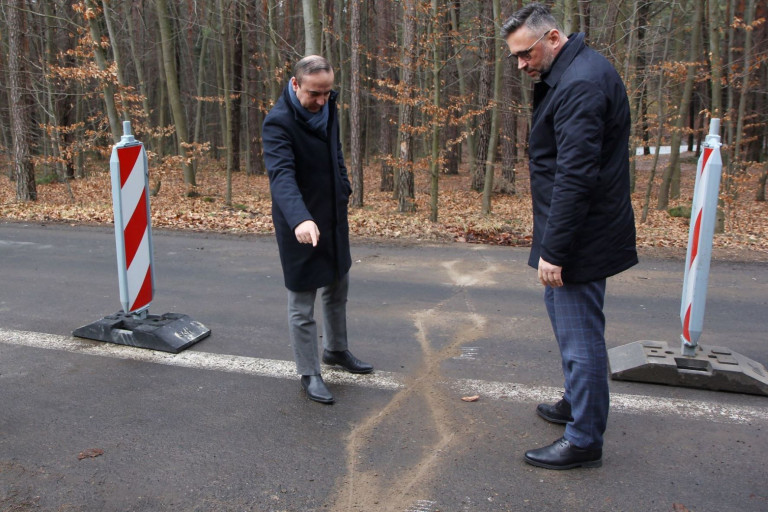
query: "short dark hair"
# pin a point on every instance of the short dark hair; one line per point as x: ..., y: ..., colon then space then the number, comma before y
x: 310, y: 65
x: 535, y: 16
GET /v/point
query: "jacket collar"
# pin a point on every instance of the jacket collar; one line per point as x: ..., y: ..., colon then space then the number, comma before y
x: 571, y: 48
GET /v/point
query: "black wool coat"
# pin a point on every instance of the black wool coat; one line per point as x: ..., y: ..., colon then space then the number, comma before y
x: 308, y: 181
x: 579, y: 167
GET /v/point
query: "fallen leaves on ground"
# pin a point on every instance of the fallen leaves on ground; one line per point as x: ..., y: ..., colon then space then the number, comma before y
x: 88, y: 200
x: 90, y: 453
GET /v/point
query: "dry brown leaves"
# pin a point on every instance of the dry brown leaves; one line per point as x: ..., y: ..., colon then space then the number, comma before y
x: 90, y: 453
x: 459, y: 215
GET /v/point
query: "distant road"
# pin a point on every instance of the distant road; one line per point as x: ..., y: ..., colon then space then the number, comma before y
x: 665, y: 150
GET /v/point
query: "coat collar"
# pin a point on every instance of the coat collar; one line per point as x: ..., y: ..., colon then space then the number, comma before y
x: 287, y: 98
x: 301, y: 118
x: 571, y: 48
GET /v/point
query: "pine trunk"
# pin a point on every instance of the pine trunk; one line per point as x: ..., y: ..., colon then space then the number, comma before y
x: 24, y: 171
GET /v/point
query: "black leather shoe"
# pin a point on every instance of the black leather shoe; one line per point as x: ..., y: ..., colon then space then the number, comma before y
x: 563, y: 455
x: 346, y: 360
x: 558, y: 413
x: 315, y: 388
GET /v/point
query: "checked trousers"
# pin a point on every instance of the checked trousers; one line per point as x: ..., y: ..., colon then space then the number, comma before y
x: 576, y: 313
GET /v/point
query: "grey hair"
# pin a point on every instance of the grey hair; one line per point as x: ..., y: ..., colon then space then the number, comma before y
x: 535, y: 16
x: 310, y: 65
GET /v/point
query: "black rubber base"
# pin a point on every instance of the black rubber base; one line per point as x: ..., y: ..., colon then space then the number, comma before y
x: 171, y: 332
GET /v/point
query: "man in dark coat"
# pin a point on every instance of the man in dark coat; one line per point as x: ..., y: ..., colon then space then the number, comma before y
x: 584, y: 227
x: 310, y: 193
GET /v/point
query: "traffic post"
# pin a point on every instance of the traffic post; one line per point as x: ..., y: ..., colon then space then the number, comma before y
x: 694, y: 365
x: 133, y: 325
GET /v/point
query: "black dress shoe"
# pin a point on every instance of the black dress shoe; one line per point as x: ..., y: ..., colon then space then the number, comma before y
x: 346, y: 360
x: 563, y: 455
x: 316, y: 390
x: 558, y: 413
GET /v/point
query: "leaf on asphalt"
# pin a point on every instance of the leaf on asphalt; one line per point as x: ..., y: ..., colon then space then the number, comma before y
x: 90, y: 453
x: 473, y: 398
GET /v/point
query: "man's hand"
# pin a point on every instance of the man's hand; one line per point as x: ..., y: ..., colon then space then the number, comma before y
x: 307, y: 233
x: 549, y: 274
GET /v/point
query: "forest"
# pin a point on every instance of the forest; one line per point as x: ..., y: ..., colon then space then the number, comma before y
x: 426, y: 91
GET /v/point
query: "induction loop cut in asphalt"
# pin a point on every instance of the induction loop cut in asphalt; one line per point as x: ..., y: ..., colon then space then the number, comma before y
x: 505, y: 391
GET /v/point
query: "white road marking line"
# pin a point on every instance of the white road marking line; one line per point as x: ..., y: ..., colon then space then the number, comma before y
x: 422, y: 506
x: 631, y: 404
x: 192, y: 359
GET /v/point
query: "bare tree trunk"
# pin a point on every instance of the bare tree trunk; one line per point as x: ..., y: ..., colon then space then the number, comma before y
x: 569, y: 12
x: 660, y: 134
x: 356, y: 163
x: 343, y: 71
x: 738, y: 150
x: 760, y: 195
x: 730, y: 130
x: 202, y: 72
x: 761, y: 182
x: 435, y: 161
x: 498, y: 71
x: 226, y: 68
x: 634, y: 63
x: 80, y: 158
x: 508, y: 133
x: 137, y: 62
x: 717, y: 92
x: 113, y: 42
x: 255, y: 90
x: 162, y: 106
x: 584, y: 14
x: 384, y: 73
x: 670, y: 185
x: 174, y: 93
x: 24, y: 171
x: 312, y: 27
x: 274, y: 58
x: 405, y: 192
x: 471, y: 139
x: 52, y: 105
x: 5, y: 129
x: 101, y: 61
x: 236, y: 85
x: 484, y: 94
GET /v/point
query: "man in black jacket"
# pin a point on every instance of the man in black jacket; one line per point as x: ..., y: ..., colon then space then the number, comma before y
x: 583, y: 222
x: 310, y: 193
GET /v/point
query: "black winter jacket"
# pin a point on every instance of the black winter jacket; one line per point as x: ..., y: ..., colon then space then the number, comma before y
x: 579, y: 167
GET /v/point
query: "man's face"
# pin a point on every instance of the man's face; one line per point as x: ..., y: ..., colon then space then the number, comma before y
x: 314, y: 91
x: 534, y: 52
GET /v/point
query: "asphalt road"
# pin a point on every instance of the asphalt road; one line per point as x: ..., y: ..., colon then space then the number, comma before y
x: 224, y: 426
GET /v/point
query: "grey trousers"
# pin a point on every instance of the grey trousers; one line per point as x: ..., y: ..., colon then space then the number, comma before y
x: 302, y: 327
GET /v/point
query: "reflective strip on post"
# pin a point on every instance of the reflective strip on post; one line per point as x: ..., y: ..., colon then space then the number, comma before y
x: 133, y: 235
x: 702, y: 229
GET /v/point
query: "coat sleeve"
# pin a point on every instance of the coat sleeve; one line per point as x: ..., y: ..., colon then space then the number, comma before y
x: 281, y: 168
x: 579, y: 125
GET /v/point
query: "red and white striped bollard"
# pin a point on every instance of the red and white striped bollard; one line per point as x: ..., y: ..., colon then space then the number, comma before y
x: 133, y: 234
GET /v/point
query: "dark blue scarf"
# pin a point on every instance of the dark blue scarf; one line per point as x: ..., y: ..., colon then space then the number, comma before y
x: 318, y: 121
